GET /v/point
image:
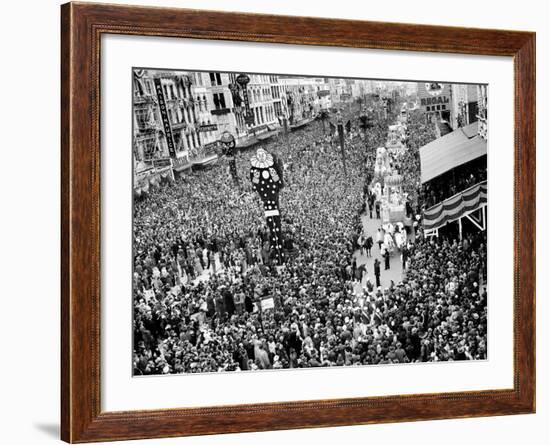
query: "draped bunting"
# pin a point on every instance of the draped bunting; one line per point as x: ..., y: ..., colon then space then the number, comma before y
x: 456, y: 206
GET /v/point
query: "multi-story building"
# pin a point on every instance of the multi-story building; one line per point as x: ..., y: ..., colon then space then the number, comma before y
x: 206, y: 123
x: 301, y: 97
x: 324, y: 102
x: 260, y: 95
x: 277, y: 93
x: 436, y: 102
x: 219, y: 112
x: 482, y: 110
x: 164, y: 116
x: 464, y: 105
x: 149, y: 142
x: 340, y: 90
x: 180, y: 116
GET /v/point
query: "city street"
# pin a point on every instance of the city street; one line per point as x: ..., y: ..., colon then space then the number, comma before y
x: 370, y: 226
x: 246, y: 262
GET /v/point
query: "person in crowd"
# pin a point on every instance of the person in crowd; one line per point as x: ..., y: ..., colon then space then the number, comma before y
x: 386, y: 255
x: 377, y: 271
x: 368, y: 245
x: 379, y: 238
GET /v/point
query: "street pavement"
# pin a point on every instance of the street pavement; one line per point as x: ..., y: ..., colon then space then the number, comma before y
x: 370, y: 227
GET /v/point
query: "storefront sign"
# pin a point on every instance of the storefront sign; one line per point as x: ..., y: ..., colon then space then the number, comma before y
x: 211, y: 145
x: 208, y: 127
x: 434, y: 93
x: 434, y: 100
x: 165, y: 119
x: 160, y: 163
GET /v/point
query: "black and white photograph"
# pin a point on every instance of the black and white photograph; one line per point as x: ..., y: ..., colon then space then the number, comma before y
x: 284, y: 221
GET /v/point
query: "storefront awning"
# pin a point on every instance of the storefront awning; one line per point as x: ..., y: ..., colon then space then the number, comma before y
x: 450, y: 151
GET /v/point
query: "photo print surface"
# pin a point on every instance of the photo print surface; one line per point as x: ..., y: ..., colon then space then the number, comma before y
x: 284, y: 222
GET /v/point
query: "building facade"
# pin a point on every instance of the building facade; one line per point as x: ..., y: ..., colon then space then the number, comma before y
x: 165, y: 116
x: 179, y: 116
x: 464, y: 105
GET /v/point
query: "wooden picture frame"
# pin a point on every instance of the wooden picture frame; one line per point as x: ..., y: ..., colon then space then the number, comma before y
x: 82, y: 26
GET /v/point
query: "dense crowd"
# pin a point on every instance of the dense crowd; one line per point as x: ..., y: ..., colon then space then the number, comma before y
x: 202, y: 269
x: 444, y: 187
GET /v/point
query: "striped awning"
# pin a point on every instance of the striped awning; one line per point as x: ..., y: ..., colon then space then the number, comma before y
x: 456, y: 206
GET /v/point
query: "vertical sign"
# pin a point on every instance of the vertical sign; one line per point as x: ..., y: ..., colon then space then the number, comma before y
x: 165, y: 119
x: 243, y: 80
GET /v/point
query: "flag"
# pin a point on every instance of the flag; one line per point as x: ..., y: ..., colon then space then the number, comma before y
x: 332, y: 128
x: 348, y: 126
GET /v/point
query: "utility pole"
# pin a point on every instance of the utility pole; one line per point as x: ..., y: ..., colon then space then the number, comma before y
x: 342, y: 142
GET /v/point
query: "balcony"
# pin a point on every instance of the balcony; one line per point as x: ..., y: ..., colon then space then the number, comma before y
x: 179, y: 125
x: 147, y: 126
x: 457, y: 206
x: 144, y: 99
x: 220, y: 111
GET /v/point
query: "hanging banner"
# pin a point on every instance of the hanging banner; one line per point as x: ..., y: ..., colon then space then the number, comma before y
x: 165, y: 119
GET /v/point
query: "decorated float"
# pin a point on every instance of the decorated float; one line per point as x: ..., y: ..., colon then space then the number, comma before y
x: 382, y: 165
x: 397, y: 135
x: 387, y: 186
x: 393, y: 208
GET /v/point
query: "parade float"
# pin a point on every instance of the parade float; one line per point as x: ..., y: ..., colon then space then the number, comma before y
x: 397, y: 135
x: 387, y: 186
x: 393, y: 207
x: 382, y: 166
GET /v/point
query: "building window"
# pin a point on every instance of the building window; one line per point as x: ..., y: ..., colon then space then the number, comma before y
x: 219, y: 101
x: 215, y: 79
x: 143, y: 117
x: 148, y: 147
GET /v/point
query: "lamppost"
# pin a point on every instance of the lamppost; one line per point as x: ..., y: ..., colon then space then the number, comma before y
x: 341, y: 137
x: 324, y: 117
x: 229, y: 147
x: 284, y: 122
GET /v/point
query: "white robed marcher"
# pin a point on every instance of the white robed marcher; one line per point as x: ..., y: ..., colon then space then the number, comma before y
x: 388, y: 241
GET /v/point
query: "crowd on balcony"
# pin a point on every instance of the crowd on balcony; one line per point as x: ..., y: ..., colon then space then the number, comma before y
x: 453, y: 182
